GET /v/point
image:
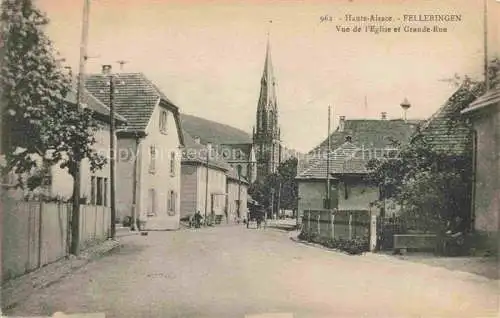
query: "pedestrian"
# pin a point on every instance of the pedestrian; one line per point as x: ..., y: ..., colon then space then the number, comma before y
x: 197, y: 219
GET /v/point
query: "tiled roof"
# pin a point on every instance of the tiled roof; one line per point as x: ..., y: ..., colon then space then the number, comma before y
x: 93, y: 103
x: 346, y: 159
x: 197, y: 153
x: 491, y: 97
x: 370, y: 133
x: 214, y: 132
x: 447, y: 131
x: 135, y: 96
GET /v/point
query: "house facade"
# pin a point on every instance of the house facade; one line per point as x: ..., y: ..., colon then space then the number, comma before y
x: 237, y: 196
x: 203, y: 180
x: 94, y: 186
x: 484, y: 114
x: 149, y: 150
x: 355, y: 143
x: 234, y: 145
x: 241, y: 157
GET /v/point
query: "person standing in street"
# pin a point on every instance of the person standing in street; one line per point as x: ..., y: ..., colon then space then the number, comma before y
x: 197, y: 219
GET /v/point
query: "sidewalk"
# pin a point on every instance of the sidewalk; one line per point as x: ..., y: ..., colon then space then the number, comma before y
x: 483, y: 266
x: 487, y: 267
x: 15, y: 290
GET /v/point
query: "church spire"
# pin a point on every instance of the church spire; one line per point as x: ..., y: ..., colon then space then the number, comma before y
x: 266, y: 135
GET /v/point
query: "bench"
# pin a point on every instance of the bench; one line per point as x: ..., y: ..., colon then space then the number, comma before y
x: 414, y: 242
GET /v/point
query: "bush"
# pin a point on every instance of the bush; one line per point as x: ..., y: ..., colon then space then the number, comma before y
x: 355, y: 246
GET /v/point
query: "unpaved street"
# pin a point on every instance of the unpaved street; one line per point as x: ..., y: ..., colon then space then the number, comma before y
x: 233, y: 272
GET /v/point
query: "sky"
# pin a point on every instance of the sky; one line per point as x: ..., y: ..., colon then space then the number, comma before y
x: 208, y: 56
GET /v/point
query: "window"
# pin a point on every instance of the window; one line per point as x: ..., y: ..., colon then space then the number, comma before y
x: 163, y: 121
x: 172, y: 163
x: 105, y: 195
x: 92, y: 190
x: 172, y: 198
x: 100, y: 191
x: 152, y: 159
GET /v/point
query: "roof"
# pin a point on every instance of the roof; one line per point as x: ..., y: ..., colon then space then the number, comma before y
x: 194, y: 152
x: 213, y: 132
x: 490, y: 98
x: 371, y: 133
x: 135, y: 96
x: 94, y: 104
x: 349, y: 158
x: 447, y: 131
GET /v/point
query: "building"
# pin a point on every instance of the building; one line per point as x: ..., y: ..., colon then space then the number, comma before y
x: 203, y: 180
x: 266, y: 133
x: 350, y: 188
x: 368, y: 133
x: 234, y: 145
x: 237, y: 196
x: 94, y: 186
x: 484, y: 113
x: 149, y: 150
x: 446, y: 131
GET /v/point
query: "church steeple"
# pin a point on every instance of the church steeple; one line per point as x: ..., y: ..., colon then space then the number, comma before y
x: 266, y: 135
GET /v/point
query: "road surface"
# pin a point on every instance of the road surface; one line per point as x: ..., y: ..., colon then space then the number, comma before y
x: 232, y: 271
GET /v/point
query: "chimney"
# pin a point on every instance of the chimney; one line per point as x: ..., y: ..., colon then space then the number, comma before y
x: 341, y: 123
x: 197, y: 140
x: 106, y: 69
x: 383, y: 115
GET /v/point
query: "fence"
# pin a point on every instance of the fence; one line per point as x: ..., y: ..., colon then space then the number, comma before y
x: 36, y: 233
x: 344, y: 224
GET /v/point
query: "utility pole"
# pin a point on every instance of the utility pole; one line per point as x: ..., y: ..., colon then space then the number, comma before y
x: 136, y: 184
x: 327, y: 205
x: 112, y: 153
x: 206, y: 184
x: 486, y: 66
x: 75, y: 215
x: 279, y: 198
x: 239, y: 191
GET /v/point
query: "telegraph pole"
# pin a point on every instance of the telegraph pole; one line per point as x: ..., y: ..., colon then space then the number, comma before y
x: 328, y: 163
x: 206, y: 184
x: 75, y: 216
x: 112, y: 153
x: 486, y: 66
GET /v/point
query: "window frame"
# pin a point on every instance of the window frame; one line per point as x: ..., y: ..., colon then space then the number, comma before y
x: 172, y: 163
x: 99, y: 191
x: 163, y: 120
x: 93, y: 190
x: 152, y: 159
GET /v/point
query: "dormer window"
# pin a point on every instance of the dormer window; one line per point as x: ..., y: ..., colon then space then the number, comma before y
x: 163, y: 121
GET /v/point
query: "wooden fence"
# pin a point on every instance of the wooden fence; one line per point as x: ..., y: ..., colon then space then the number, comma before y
x: 36, y: 233
x: 340, y: 224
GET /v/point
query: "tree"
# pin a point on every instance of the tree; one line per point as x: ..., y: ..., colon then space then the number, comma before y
x: 287, y: 173
x: 285, y: 176
x: 433, y: 186
x: 43, y: 128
